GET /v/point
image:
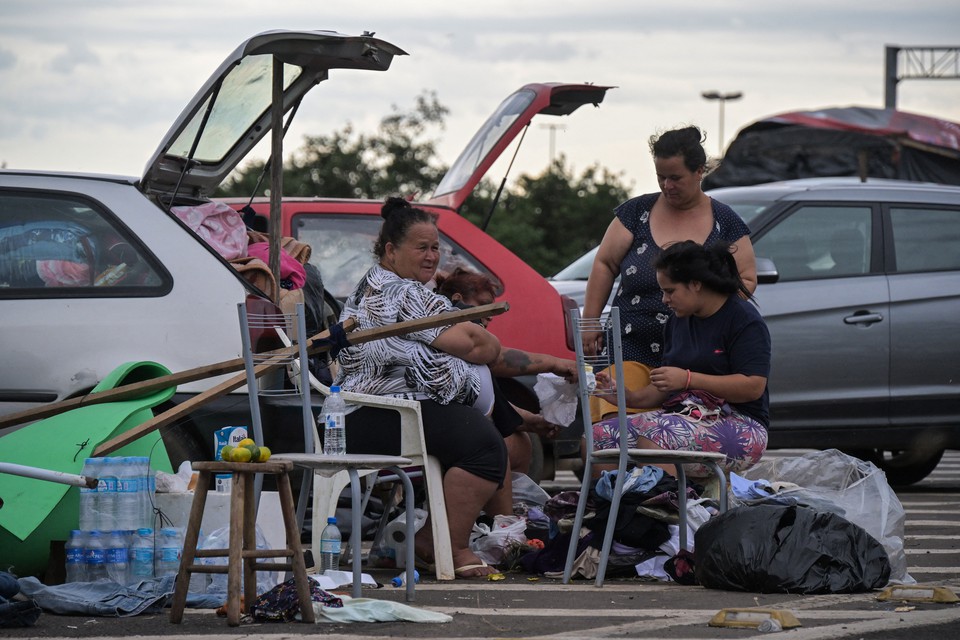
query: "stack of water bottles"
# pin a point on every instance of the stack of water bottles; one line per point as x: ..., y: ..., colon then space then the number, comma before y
x: 116, y: 539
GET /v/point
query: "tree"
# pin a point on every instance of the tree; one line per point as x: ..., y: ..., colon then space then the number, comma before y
x: 550, y: 219
x: 399, y: 158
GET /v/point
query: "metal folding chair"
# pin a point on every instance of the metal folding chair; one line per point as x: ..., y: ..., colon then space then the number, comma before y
x: 612, y: 358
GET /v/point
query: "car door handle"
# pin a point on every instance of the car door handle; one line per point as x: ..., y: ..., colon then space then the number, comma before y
x: 863, y: 317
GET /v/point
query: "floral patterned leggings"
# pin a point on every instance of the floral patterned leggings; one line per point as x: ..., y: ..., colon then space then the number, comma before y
x: 741, y: 438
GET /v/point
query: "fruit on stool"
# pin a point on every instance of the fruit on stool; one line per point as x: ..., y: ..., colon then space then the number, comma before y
x: 245, y: 451
x: 254, y: 452
x: 241, y: 454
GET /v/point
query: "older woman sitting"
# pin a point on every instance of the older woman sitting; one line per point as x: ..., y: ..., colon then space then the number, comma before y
x: 444, y: 368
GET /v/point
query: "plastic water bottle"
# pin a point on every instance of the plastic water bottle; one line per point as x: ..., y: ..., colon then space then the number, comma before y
x: 96, y: 555
x: 107, y: 494
x: 589, y: 378
x: 90, y: 497
x: 142, y: 555
x: 770, y: 625
x: 76, y: 560
x: 168, y: 552
x: 334, y: 433
x: 127, y: 500
x: 401, y: 579
x: 330, y: 546
x: 117, y: 557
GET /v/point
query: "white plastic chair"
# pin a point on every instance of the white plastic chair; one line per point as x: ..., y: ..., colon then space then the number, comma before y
x: 327, y: 489
x: 315, y: 464
x: 611, y: 356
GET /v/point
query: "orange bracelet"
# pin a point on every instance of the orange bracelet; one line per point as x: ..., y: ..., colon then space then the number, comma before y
x: 689, y: 375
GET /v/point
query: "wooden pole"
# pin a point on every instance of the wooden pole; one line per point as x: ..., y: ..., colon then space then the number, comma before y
x: 357, y: 337
x: 137, y: 389
x: 276, y: 176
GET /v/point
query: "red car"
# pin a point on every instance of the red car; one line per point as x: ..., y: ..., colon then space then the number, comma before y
x: 341, y: 233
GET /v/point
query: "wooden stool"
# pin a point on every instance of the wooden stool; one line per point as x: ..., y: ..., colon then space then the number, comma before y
x: 242, y: 553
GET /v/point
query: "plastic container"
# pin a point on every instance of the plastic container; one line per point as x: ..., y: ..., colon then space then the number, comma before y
x: 96, y: 555
x: 142, y: 555
x: 330, y: 546
x: 169, y: 549
x: 223, y: 482
x: 90, y: 498
x: 334, y: 421
x: 589, y: 378
x: 401, y: 579
x: 117, y: 557
x: 76, y: 562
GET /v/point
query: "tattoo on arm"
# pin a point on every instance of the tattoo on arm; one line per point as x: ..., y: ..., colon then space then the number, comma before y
x: 516, y: 360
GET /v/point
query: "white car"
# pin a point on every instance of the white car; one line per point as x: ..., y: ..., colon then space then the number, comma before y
x: 96, y: 271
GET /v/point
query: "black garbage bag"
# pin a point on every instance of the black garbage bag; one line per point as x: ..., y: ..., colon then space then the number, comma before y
x: 788, y: 549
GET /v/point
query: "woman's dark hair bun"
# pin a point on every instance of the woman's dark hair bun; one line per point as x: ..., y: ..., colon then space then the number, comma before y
x: 392, y: 205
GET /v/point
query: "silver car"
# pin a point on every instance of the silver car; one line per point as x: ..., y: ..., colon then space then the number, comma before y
x: 860, y: 286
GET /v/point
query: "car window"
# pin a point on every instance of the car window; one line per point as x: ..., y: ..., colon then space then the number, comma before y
x: 579, y: 269
x: 489, y: 134
x: 342, y: 249
x: 747, y: 209
x: 223, y: 125
x: 925, y: 239
x: 57, y: 245
x: 819, y: 241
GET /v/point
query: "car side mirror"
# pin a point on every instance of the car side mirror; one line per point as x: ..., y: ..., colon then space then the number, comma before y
x: 766, y: 271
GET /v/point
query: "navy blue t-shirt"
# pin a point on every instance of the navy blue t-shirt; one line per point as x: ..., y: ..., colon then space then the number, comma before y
x: 735, y: 339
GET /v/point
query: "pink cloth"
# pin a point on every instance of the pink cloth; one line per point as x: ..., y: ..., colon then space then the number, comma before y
x: 219, y: 225
x: 290, y: 269
x: 63, y: 273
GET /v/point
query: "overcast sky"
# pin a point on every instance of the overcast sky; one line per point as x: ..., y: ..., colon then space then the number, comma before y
x: 93, y: 85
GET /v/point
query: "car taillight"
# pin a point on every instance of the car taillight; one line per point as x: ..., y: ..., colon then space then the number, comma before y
x: 566, y: 304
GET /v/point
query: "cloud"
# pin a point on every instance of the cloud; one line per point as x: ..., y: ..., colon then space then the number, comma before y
x: 77, y: 54
x: 8, y: 59
x: 137, y: 65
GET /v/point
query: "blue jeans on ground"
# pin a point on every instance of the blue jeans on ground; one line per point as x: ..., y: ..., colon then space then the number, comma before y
x: 15, y: 613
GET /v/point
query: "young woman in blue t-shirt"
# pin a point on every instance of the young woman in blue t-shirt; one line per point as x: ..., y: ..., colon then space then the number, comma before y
x: 717, y: 350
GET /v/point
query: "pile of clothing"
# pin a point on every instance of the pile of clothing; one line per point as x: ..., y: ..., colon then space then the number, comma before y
x: 646, y: 538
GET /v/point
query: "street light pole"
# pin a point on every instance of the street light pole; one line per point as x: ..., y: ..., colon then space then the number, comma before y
x: 722, y: 98
x: 553, y: 138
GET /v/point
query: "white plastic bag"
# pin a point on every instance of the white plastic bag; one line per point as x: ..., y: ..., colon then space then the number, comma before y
x: 490, y: 543
x: 558, y: 398
x: 220, y: 539
x: 178, y: 482
x: 526, y: 491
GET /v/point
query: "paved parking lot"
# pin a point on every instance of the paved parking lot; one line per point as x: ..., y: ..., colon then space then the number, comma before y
x: 526, y: 606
